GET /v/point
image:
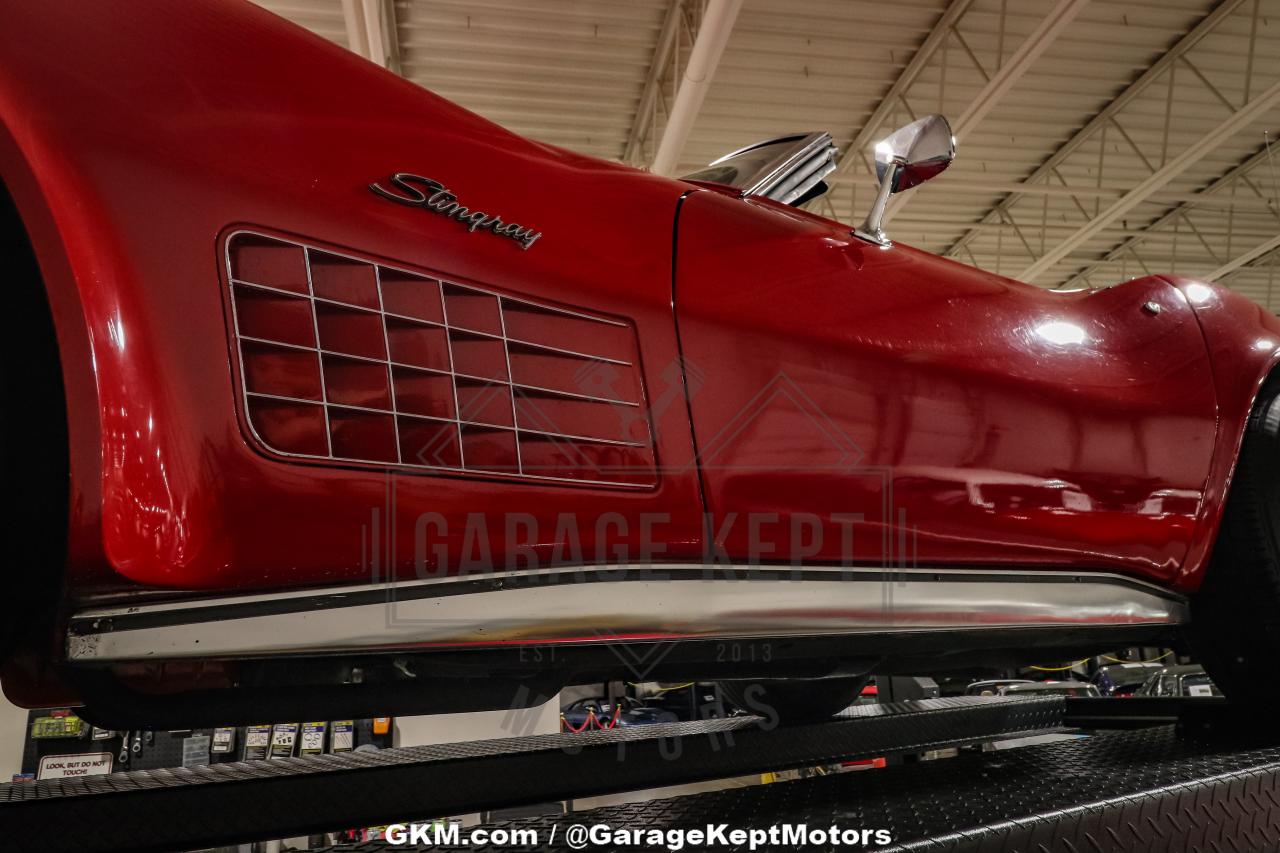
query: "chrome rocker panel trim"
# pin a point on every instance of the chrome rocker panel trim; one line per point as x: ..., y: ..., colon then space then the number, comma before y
x: 613, y: 604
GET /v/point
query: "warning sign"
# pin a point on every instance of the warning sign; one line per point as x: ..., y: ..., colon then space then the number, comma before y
x: 71, y: 766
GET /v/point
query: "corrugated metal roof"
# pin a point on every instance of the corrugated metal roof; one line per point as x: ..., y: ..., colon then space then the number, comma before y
x: 568, y: 73
x: 573, y: 72
x: 322, y: 17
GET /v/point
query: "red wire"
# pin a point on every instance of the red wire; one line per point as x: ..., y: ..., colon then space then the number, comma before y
x: 617, y: 711
x: 591, y: 715
x: 592, y: 721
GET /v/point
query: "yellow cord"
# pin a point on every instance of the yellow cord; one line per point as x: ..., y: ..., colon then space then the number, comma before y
x: 1058, y: 668
x: 665, y: 689
x: 1104, y: 657
x: 1153, y: 660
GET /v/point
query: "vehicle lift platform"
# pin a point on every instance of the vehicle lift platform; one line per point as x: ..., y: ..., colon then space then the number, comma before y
x: 1152, y: 775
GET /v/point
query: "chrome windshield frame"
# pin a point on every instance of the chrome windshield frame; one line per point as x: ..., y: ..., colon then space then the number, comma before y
x: 791, y: 173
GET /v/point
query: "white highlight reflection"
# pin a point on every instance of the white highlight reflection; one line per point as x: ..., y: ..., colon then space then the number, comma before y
x: 1061, y: 332
x: 1199, y: 293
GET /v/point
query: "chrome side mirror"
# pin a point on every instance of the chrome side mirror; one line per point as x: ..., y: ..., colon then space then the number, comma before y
x: 908, y: 157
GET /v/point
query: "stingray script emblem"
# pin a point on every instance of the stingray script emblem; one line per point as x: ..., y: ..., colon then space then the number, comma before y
x: 435, y: 197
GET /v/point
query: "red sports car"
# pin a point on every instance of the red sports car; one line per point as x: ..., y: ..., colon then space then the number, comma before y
x: 329, y: 395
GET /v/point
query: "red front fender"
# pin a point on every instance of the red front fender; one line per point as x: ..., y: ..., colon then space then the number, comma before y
x: 1243, y: 341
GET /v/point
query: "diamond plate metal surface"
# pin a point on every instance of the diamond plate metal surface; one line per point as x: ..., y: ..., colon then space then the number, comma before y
x: 1148, y: 791
x: 244, y: 801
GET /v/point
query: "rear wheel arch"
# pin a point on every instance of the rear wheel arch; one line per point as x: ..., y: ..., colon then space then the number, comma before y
x: 55, y: 450
x: 34, y: 187
x: 34, y: 454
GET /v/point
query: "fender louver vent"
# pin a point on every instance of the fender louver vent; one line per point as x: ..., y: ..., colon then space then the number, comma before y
x: 348, y: 360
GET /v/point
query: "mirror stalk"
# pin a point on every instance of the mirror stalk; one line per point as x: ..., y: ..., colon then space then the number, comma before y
x: 871, y: 229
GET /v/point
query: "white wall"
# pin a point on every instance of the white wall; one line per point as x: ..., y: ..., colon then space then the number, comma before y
x: 13, y: 737
x: 479, y: 725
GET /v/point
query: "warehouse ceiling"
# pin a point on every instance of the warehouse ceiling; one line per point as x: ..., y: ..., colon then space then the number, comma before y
x: 1097, y: 140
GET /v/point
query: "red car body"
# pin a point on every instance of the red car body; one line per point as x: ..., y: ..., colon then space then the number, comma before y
x: 915, y: 412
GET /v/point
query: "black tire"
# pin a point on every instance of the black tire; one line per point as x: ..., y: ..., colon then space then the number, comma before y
x: 794, y: 700
x: 1235, y: 617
